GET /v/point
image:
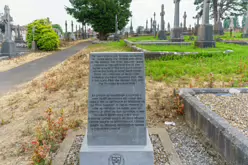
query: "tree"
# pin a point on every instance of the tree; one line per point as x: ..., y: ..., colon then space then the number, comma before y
x: 44, y: 35
x: 100, y: 14
x: 57, y: 26
x: 227, y: 8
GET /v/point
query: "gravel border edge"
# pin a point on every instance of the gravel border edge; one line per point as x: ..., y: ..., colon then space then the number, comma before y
x: 227, y: 140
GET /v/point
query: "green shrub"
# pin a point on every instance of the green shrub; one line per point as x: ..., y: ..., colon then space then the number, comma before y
x: 45, y: 37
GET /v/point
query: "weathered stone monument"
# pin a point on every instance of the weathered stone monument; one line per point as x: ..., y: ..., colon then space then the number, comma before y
x: 18, y: 38
x: 205, y: 31
x: 131, y: 28
x: 184, y: 21
x: 146, y: 25
x: 76, y: 33
x: 176, y: 35
x: 168, y: 27
x: 245, y: 32
x: 162, y: 35
x: 8, y: 45
x: 151, y: 26
x: 1, y: 36
x: 117, y: 133
x: 218, y: 28
x: 34, y: 45
x: 154, y: 26
x: 197, y: 24
x: 116, y: 37
x: 66, y: 32
x: 231, y: 26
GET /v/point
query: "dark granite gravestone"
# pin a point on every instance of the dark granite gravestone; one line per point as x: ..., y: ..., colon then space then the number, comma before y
x: 117, y: 111
x: 205, y: 31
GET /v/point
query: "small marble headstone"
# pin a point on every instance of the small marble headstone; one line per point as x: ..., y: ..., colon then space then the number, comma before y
x: 117, y: 111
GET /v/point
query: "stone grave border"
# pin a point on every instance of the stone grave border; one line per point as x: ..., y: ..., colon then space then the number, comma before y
x: 157, y: 55
x: 65, y: 146
x: 227, y: 140
x: 235, y: 42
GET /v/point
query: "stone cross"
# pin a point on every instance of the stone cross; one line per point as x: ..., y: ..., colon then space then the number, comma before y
x: 162, y: 17
x: 205, y: 17
x: 66, y: 26
x: 146, y: 24
x: 176, y: 15
x: 168, y: 27
x: 198, y: 18
x: 181, y: 24
x: 72, y: 29
x: 154, y: 27
x: 154, y: 16
x: 184, y: 19
x: 151, y: 24
x: 7, y: 19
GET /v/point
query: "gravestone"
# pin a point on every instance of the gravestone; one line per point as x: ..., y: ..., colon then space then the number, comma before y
x: 146, y: 25
x: 245, y: 32
x: 205, y: 31
x: 218, y: 28
x: 1, y: 36
x: 8, y: 45
x: 151, y: 26
x: 19, y: 38
x: 168, y: 27
x: 184, y: 21
x: 176, y: 35
x: 116, y: 37
x: 154, y: 26
x: 162, y: 35
x: 197, y: 24
x: 76, y: 33
x: 131, y: 28
x: 34, y: 45
x: 117, y: 133
x: 66, y: 32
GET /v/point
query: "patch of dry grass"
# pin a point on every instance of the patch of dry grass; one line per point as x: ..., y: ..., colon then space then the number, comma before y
x: 65, y: 86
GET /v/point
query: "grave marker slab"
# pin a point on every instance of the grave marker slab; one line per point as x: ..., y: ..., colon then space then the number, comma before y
x: 117, y: 112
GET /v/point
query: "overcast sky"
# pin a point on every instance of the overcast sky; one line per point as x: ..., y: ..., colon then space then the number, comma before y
x: 25, y: 11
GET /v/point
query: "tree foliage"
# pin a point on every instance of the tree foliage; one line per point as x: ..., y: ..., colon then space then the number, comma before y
x: 235, y: 22
x: 45, y: 37
x: 57, y: 26
x: 100, y: 14
x: 227, y: 8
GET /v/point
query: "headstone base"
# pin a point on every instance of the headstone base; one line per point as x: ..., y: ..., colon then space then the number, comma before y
x: 205, y: 44
x: 117, y: 155
x: 162, y: 35
x: 8, y: 49
x: 196, y: 30
x: 176, y: 35
x: 205, y: 36
x: 245, y: 35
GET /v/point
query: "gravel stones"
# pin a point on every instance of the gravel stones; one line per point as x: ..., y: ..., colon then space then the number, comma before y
x: 161, y: 157
x: 191, y: 147
x: 234, y: 108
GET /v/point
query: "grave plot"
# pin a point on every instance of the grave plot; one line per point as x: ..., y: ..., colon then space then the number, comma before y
x: 221, y: 116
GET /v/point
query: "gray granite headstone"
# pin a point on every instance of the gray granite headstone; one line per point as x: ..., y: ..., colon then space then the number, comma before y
x: 205, y: 31
x: 131, y: 28
x: 117, y: 111
x: 8, y: 45
x: 176, y: 35
x: 218, y: 28
x: 184, y: 21
x: 151, y: 26
x: 162, y: 35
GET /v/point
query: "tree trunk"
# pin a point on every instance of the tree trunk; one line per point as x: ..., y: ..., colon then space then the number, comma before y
x: 215, y: 10
x: 102, y: 36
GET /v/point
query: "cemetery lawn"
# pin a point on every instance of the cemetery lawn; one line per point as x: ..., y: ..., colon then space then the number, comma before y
x: 65, y: 86
x: 15, y: 62
x: 143, y: 38
x: 222, y: 70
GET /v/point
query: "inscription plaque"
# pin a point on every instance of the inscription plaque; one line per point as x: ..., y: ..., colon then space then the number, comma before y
x: 116, y: 101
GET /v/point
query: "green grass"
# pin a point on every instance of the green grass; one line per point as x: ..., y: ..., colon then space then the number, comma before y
x: 143, y: 38
x: 191, y: 48
x: 224, y: 67
x: 235, y: 36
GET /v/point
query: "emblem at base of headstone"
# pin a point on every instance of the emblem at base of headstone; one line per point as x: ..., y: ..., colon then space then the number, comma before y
x: 116, y: 159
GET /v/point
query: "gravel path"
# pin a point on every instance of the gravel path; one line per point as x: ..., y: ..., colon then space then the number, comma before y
x: 161, y: 158
x: 232, y: 107
x: 189, y: 147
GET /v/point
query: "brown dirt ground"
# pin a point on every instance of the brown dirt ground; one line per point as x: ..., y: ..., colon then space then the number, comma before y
x: 67, y: 88
x: 15, y: 62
